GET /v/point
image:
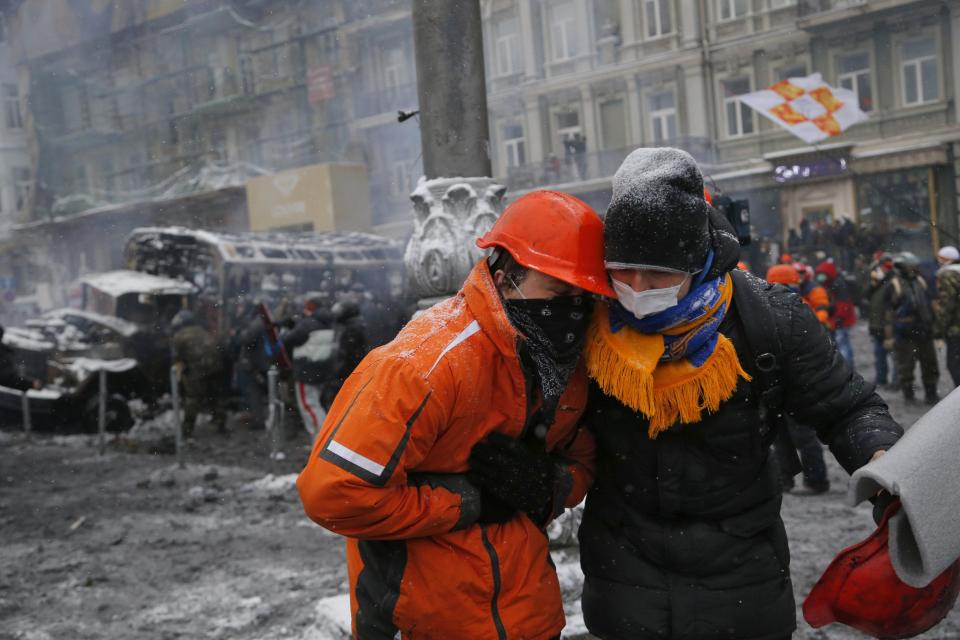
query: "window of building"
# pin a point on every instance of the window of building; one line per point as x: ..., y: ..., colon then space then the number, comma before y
x: 563, y: 31
x: 514, y: 146
x: 507, y: 46
x: 738, y: 115
x: 792, y: 71
x: 11, y: 106
x: 613, y: 124
x: 76, y: 108
x: 218, y: 144
x: 663, y: 117
x: 918, y: 66
x: 733, y: 9
x: 394, y: 67
x: 400, y: 179
x: 853, y: 74
x: 22, y: 184
x: 656, y: 15
x: 780, y: 4
x: 568, y: 125
x: 107, y: 175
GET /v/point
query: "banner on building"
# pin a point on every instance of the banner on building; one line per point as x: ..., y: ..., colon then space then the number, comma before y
x: 807, y: 107
x: 320, y: 87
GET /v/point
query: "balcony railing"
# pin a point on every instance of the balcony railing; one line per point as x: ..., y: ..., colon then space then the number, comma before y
x: 814, y: 7
x: 385, y: 100
x: 584, y: 167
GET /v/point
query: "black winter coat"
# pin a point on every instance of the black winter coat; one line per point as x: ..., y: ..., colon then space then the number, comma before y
x: 682, y: 536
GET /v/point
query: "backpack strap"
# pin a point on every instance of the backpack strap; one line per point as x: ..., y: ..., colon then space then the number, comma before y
x: 764, y: 353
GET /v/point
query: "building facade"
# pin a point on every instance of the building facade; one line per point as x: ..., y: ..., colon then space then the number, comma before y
x: 160, y: 110
x: 574, y: 85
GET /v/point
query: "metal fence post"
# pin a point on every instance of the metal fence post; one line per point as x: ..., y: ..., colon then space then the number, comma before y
x: 177, y: 424
x: 273, y: 414
x: 102, y: 414
x: 25, y: 410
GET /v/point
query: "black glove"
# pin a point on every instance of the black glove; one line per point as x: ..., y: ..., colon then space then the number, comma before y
x: 881, y: 502
x: 493, y: 510
x: 520, y: 475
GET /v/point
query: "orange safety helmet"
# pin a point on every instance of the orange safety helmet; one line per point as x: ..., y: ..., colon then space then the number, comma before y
x: 860, y: 589
x: 786, y: 259
x: 557, y: 234
x: 783, y: 274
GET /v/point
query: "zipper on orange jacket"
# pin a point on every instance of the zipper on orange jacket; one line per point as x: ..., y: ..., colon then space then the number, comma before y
x: 495, y: 567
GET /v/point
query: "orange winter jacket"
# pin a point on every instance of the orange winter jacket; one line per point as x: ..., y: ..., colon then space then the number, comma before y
x: 818, y: 299
x: 386, y: 472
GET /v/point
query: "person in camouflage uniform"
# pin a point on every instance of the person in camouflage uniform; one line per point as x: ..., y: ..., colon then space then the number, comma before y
x: 908, y: 329
x: 199, y: 362
x: 947, y: 308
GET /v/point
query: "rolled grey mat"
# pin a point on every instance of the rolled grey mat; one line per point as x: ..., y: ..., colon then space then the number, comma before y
x: 923, y: 468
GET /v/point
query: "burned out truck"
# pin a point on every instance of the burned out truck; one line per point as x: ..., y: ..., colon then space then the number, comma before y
x: 122, y: 329
x: 232, y: 272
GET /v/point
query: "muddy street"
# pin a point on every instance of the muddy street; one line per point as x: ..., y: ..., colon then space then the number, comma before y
x: 129, y: 546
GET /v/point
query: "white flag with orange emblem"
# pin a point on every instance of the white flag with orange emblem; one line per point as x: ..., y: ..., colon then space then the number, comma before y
x: 807, y: 107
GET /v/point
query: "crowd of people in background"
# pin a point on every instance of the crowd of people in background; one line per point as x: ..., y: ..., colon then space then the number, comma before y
x: 843, y: 240
x: 906, y: 312
x: 323, y: 337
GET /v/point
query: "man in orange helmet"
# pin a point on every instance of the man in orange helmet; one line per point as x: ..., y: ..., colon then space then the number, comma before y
x: 441, y: 543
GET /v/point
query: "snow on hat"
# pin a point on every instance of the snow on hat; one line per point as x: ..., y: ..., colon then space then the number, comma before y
x: 949, y: 253
x: 657, y: 217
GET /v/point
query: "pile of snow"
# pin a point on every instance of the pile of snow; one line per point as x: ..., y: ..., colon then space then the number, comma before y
x: 159, y: 426
x: 332, y: 619
x: 271, y: 486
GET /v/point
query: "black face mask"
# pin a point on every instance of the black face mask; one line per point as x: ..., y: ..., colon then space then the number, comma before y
x: 559, y: 322
x: 554, y: 330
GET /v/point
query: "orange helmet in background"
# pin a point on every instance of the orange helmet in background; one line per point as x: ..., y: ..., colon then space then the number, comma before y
x: 554, y: 233
x: 786, y: 259
x: 783, y: 274
x: 861, y: 590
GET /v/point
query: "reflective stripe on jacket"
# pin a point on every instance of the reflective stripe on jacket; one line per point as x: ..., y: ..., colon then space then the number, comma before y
x: 386, y: 472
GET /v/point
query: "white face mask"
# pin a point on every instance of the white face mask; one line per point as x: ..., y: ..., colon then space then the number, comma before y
x: 646, y: 303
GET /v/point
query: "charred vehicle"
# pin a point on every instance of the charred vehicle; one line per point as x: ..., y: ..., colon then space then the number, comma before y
x: 123, y: 330
x: 233, y: 272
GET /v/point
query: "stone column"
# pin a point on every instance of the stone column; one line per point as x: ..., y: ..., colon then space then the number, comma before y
x: 456, y: 201
x: 535, y: 147
x: 528, y: 36
x: 689, y: 22
x: 452, y: 88
x: 634, y: 111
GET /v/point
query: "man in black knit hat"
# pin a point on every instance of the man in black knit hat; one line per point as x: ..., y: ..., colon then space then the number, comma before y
x: 690, y: 367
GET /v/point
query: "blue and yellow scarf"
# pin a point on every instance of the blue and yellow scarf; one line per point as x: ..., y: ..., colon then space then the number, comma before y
x: 670, y: 366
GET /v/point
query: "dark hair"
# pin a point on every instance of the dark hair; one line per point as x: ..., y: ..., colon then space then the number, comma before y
x: 512, y: 270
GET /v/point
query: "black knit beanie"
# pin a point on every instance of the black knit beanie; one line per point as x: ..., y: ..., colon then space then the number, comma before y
x: 658, y: 216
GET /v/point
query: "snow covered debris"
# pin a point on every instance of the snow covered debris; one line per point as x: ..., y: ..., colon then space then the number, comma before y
x: 118, y: 283
x: 271, y: 486
x: 83, y: 367
x: 332, y: 619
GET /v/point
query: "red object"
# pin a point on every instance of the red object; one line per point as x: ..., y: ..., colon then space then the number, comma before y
x: 786, y: 259
x: 707, y: 197
x: 556, y: 234
x: 828, y: 269
x: 861, y: 590
x: 276, y: 347
x: 320, y: 84
x: 783, y: 274
x: 844, y: 313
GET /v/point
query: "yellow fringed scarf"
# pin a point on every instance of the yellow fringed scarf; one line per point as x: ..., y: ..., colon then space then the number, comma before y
x: 627, y: 366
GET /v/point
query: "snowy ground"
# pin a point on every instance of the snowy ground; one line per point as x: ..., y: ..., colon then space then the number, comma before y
x: 129, y: 546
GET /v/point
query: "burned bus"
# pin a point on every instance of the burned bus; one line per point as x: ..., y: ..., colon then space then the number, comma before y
x: 233, y: 271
